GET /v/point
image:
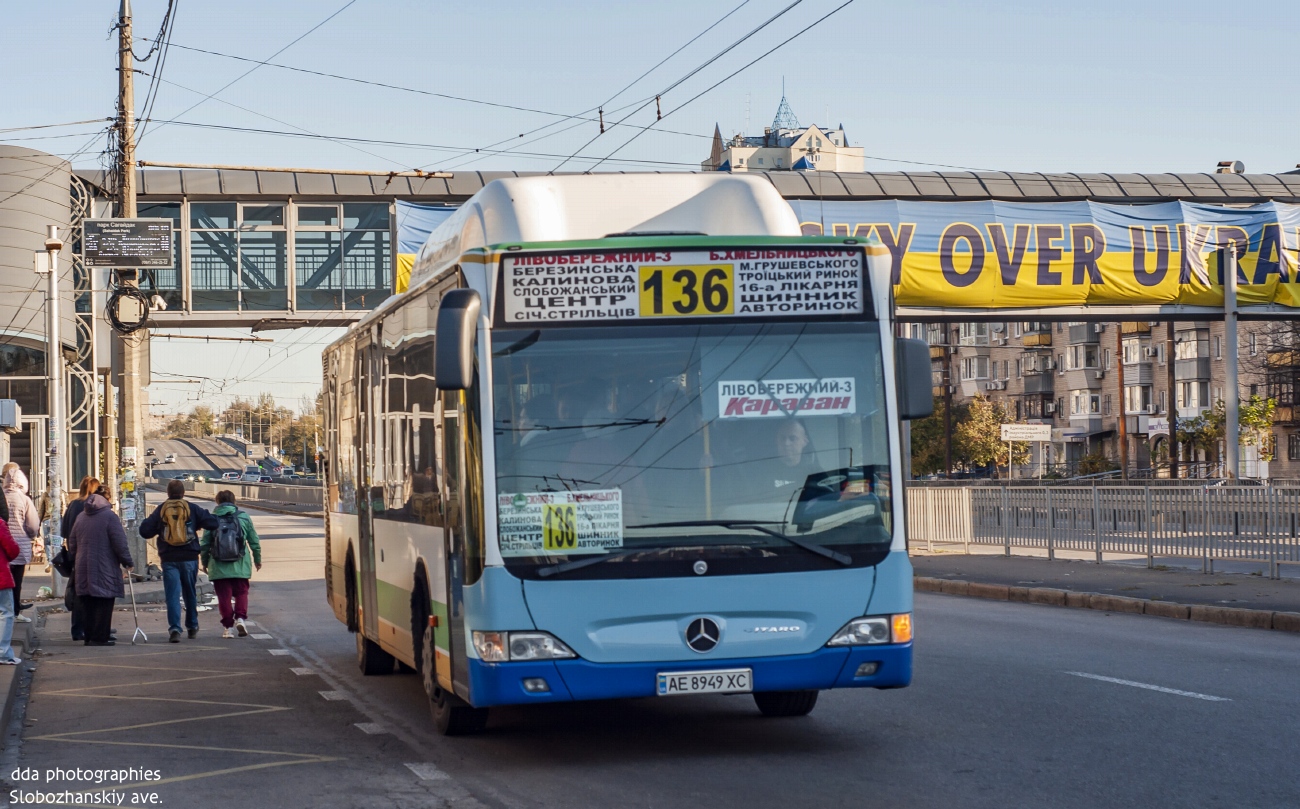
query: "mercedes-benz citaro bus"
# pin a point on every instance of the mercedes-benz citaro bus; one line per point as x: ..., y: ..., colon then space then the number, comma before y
x: 625, y: 436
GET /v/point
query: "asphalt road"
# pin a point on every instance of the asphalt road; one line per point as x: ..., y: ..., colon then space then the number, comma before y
x: 1012, y: 705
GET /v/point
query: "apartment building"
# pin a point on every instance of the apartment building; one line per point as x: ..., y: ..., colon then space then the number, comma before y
x: 1081, y: 378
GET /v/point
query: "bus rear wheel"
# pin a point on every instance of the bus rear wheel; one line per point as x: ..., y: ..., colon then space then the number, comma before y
x: 786, y: 703
x: 452, y: 716
x: 371, y: 659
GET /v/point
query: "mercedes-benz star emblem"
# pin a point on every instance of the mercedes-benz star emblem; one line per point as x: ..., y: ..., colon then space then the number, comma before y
x: 702, y: 635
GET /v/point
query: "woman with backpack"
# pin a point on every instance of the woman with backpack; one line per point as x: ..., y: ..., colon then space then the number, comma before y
x: 225, y: 556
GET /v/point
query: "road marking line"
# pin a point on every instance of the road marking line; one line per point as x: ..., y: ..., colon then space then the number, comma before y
x: 279, y: 651
x: 1149, y: 687
x: 426, y: 771
x: 301, y: 672
x: 333, y: 696
x: 371, y: 728
x: 260, y: 636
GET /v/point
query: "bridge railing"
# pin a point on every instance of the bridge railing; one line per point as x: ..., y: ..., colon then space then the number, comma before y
x: 1210, y: 523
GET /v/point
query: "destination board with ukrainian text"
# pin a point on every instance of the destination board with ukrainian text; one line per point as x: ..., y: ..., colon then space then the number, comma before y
x: 786, y: 282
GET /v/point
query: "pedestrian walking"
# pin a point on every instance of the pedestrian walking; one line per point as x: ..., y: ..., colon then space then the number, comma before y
x: 229, y: 555
x: 9, y: 548
x: 89, y: 486
x: 176, y: 523
x: 24, y: 526
x: 98, y: 544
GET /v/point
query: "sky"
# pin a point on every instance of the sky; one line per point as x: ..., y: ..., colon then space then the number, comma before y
x: 1033, y: 85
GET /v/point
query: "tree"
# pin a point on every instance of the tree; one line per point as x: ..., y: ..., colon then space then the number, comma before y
x: 1254, y: 425
x: 928, y: 440
x: 978, y: 436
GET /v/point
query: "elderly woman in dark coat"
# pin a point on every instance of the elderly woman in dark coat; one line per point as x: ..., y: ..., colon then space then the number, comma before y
x: 99, y: 545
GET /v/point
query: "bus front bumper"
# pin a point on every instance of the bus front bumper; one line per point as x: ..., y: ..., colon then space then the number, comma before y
x: 569, y: 680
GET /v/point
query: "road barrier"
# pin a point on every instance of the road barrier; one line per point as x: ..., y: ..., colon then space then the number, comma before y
x: 1244, y: 523
x: 269, y: 492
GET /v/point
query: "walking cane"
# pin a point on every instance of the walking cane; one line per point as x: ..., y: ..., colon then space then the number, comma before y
x: 138, y: 631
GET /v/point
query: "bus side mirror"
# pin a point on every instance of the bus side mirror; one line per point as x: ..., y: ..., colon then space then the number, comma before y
x: 915, y: 386
x: 453, y: 365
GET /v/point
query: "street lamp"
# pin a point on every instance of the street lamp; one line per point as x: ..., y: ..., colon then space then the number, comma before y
x: 47, y: 264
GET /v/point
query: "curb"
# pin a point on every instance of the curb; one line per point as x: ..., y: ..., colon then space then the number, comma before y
x: 1228, y: 616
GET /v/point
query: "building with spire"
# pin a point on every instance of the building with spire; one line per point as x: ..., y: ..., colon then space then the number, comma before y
x: 785, y: 146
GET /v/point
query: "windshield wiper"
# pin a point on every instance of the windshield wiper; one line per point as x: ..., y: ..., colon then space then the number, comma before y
x: 577, y: 564
x: 761, y: 527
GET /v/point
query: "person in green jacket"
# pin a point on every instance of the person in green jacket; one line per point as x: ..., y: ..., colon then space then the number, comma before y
x: 230, y: 579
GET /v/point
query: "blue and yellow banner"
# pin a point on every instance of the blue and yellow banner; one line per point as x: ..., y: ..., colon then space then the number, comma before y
x: 414, y: 224
x: 1033, y: 254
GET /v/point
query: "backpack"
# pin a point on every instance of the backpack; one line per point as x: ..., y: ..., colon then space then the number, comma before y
x: 228, y: 539
x: 178, y: 526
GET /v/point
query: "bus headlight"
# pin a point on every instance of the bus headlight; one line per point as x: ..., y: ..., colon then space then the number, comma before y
x: 500, y: 647
x: 862, y: 631
x: 537, y: 646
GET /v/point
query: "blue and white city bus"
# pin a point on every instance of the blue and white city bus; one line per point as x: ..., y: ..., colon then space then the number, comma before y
x: 626, y: 436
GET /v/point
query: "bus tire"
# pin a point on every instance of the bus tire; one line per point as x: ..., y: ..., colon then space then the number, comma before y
x: 785, y: 703
x: 452, y: 716
x: 371, y: 659
x: 350, y: 593
x: 419, y: 620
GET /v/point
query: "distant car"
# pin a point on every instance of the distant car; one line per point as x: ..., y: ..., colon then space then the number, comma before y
x: 252, y: 474
x: 171, y: 458
x: 149, y: 452
x: 264, y: 479
x: 230, y: 476
x: 193, y: 478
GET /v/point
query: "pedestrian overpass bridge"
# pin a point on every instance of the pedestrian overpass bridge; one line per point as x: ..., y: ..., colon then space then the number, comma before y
x: 262, y: 249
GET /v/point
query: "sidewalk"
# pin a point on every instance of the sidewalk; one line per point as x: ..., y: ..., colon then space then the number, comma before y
x: 1231, y: 598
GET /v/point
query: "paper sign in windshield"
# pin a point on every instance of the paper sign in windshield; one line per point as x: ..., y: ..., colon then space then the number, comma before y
x: 747, y: 399
x: 560, y: 523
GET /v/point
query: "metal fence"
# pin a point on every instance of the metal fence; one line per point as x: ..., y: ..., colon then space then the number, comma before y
x: 1246, y: 523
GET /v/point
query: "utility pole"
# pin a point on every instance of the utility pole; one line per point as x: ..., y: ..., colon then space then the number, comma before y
x: 1232, y: 392
x: 54, y: 367
x: 947, y: 403
x: 1122, y: 422
x: 131, y: 425
x: 1171, y: 349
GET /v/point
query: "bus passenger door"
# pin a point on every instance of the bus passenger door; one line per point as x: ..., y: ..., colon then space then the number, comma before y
x: 453, y: 481
x: 368, y: 360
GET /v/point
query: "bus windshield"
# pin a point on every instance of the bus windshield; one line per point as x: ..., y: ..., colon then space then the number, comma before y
x: 633, y: 451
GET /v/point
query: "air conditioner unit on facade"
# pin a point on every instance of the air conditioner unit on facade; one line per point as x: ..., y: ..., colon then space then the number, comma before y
x: 1049, y: 407
x: 11, y: 416
x: 1099, y: 327
x: 1151, y: 352
x: 1099, y: 374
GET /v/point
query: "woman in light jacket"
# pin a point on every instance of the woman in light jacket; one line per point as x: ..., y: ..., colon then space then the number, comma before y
x: 23, y: 524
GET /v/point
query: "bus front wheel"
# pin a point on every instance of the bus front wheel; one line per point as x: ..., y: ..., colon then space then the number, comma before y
x: 371, y: 659
x: 786, y: 703
x: 452, y: 716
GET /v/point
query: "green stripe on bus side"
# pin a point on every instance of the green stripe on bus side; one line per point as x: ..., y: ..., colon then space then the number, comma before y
x: 395, y: 607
